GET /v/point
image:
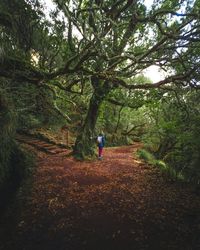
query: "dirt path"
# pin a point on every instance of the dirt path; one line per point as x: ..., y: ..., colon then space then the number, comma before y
x: 118, y: 203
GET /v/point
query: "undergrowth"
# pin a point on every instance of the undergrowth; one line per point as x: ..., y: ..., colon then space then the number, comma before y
x: 164, y: 168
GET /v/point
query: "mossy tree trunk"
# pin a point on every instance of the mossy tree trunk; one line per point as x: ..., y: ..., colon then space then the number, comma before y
x: 85, y: 143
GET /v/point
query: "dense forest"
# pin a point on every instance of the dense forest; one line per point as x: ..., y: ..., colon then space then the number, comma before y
x: 81, y: 67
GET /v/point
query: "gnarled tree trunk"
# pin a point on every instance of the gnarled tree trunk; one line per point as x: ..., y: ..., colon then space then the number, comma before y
x: 85, y: 142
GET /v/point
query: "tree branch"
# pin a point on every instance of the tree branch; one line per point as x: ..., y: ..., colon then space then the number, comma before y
x: 134, y: 127
x: 172, y: 79
x: 125, y: 104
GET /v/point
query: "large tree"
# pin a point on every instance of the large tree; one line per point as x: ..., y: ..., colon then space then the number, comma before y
x: 107, y: 44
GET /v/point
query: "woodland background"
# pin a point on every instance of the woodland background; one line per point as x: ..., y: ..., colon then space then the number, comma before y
x: 81, y: 71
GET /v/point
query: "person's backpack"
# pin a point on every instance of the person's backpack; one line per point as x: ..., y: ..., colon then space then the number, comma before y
x: 99, y: 140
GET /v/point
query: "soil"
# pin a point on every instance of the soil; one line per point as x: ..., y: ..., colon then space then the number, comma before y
x: 118, y: 203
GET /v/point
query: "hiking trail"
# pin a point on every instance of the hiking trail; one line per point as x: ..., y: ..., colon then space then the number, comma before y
x: 119, y: 203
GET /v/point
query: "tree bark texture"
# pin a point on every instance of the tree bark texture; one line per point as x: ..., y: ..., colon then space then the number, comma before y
x: 86, y: 140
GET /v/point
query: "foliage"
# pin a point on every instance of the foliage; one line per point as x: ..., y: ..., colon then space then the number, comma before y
x: 122, y: 116
x: 6, y: 135
x: 147, y: 156
x: 88, y: 56
x: 174, y: 133
x: 166, y: 169
x: 14, y: 161
x: 22, y: 162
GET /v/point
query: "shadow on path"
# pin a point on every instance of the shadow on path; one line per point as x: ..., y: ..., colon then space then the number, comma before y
x: 118, y: 203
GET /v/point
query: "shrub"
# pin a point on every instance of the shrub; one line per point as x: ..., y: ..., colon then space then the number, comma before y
x: 146, y: 156
x: 165, y: 168
x: 15, y: 162
x: 21, y: 163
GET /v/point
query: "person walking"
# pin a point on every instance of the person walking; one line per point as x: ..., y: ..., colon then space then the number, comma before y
x: 100, y: 144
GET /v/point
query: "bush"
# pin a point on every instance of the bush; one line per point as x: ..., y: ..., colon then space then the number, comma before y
x: 146, y: 156
x: 166, y: 169
x: 117, y: 140
x: 7, y: 131
x: 21, y: 163
x: 15, y: 162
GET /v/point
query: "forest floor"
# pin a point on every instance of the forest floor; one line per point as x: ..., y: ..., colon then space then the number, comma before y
x: 119, y: 203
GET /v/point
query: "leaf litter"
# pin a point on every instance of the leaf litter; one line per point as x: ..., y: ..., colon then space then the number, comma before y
x: 117, y: 203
